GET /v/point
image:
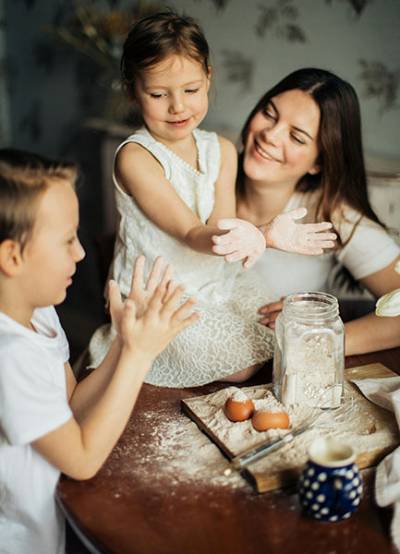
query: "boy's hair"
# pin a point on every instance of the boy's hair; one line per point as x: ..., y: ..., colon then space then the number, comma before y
x: 154, y: 38
x: 24, y: 177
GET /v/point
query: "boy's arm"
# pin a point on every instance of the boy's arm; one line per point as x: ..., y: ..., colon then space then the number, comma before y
x: 84, y: 395
x: 79, y: 448
x: 87, y: 393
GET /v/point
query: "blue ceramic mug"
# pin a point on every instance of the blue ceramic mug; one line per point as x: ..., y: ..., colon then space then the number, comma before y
x: 330, y: 485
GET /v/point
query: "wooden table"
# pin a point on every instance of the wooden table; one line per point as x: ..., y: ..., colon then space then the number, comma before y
x: 135, y: 505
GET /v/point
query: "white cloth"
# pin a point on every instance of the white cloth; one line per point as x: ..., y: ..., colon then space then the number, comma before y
x: 227, y: 338
x: 370, y: 249
x: 33, y: 402
x: 386, y: 393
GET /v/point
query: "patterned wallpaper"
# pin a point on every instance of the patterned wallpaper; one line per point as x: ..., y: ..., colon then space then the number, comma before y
x: 55, y: 87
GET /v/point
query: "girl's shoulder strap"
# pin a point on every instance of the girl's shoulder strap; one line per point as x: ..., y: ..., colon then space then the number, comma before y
x: 209, y: 152
x: 144, y: 138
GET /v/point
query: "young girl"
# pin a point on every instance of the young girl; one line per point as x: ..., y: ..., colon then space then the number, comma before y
x: 174, y: 183
x: 48, y: 423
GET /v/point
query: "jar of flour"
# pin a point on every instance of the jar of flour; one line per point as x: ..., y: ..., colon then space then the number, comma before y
x: 309, y: 351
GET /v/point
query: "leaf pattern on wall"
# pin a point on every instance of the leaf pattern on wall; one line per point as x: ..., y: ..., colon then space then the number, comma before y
x: 380, y: 83
x: 357, y: 6
x: 239, y: 69
x: 219, y: 4
x: 280, y: 18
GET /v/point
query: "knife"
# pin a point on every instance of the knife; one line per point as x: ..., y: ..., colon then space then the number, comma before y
x: 263, y: 449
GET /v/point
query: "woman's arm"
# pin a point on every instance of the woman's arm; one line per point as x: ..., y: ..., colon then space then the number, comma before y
x: 370, y: 333
x: 143, y: 178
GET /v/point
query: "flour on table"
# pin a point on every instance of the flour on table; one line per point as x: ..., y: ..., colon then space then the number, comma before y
x: 357, y: 422
x: 176, y: 450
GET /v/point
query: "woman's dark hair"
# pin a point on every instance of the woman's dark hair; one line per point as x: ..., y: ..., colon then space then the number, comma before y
x: 342, y: 177
x: 157, y: 36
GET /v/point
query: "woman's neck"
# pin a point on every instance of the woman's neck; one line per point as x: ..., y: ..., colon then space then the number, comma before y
x: 261, y: 202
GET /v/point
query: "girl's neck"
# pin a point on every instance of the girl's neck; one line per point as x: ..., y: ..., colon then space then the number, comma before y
x: 261, y: 202
x: 185, y: 148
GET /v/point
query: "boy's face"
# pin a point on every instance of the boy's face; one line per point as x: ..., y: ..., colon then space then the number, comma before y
x: 51, y: 255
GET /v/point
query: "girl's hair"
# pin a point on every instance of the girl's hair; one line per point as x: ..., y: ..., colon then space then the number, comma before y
x: 24, y: 177
x: 154, y: 38
x: 342, y: 177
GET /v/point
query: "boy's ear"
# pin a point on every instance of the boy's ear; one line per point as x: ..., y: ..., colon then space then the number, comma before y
x: 10, y: 257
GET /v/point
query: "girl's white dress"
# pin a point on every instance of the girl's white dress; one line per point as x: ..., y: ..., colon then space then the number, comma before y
x: 227, y: 337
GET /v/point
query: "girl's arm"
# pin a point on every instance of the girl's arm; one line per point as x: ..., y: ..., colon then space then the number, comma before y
x: 370, y: 333
x: 141, y: 176
x: 225, y: 199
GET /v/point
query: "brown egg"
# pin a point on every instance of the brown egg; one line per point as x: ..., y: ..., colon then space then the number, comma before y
x: 263, y: 420
x: 239, y: 410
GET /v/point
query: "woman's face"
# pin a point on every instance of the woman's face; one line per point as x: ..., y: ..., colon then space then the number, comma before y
x: 282, y: 140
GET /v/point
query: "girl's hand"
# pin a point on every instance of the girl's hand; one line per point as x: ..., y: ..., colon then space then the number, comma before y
x: 270, y: 312
x: 284, y: 233
x: 164, y: 317
x: 243, y: 242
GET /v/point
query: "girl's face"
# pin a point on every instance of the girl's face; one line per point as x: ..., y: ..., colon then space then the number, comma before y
x: 282, y: 140
x: 173, y: 97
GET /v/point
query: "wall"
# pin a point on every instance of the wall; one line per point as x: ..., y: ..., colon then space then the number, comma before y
x: 327, y: 34
x: 4, y: 92
x: 53, y: 87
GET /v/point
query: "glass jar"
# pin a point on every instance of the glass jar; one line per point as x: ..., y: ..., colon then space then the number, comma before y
x: 309, y: 351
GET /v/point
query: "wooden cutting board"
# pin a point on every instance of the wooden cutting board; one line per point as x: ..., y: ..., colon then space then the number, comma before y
x: 370, y: 429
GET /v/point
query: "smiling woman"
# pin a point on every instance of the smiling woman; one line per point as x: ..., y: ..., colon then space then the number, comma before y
x: 302, y: 148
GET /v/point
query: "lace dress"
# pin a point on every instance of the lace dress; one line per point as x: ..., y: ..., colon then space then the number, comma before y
x: 227, y: 337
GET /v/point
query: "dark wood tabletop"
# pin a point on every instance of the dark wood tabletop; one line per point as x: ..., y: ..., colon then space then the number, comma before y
x: 141, y: 502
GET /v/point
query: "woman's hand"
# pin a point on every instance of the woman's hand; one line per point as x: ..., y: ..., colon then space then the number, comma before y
x: 243, y: 241
x: 285, y: 234
x: 270, y: 312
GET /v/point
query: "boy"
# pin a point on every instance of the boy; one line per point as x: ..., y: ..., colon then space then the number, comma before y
x: 48, y: 423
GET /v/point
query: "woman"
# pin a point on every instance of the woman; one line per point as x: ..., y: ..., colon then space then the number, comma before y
x: 302, y: 147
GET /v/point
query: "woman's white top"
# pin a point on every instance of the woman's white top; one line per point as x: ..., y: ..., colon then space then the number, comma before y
x: 369, y: 249
x: 227, y: 337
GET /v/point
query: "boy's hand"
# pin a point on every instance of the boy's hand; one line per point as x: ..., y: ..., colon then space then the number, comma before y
x: 161, y: 321
x: 285, y: 234
x: 140, y: 292
x: 243, y: 242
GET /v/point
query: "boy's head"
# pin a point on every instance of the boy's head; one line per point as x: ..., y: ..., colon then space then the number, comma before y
x: 24, y: 177
x: 38, y: 223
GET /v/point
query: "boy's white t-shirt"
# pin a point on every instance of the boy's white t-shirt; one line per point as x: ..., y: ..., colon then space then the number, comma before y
x: 33, y: 402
